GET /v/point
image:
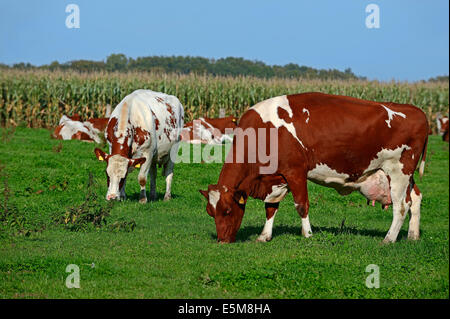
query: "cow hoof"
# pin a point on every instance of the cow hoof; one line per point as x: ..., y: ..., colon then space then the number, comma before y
x: 263, y: 239
x: 167, y: 197
x: 307, y: 234
x: 143, y: 200
x: 387, y: 241
x: 413, y: 236
x: 153, y: 197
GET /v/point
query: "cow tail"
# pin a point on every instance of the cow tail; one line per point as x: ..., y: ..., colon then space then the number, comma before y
x: 424, y: 156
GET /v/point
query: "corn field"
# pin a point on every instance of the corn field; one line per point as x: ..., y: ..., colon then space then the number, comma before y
x: 39, y: 98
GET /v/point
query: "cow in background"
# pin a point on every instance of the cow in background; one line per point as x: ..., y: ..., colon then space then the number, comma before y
x: 209, y: 130
x: 442, y: 126
x: 142, y: 131
x: 73, y: 128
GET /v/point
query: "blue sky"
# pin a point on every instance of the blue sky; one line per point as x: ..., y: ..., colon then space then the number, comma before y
x: 411, y: 44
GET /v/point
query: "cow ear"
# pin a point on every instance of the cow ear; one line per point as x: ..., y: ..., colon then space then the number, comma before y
x: 100, y: 155
x: 204, y: 193
x: 240, y: 197
x: 136, y: 162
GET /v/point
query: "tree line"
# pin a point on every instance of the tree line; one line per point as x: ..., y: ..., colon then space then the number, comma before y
x: 230, y: 66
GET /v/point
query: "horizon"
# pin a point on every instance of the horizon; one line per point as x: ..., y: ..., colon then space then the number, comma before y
x: 411, y: 43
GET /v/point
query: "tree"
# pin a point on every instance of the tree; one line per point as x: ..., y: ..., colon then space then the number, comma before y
x: 116, y: 62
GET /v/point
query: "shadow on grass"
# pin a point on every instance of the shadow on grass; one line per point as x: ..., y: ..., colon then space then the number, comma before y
x: 159, y: 196
x: 245, y: 233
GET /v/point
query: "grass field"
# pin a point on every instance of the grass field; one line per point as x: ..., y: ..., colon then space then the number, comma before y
x: 172, y: 252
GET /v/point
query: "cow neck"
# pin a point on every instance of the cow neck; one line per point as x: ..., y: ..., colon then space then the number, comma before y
x: 237, y: 176
x: 118, y: 148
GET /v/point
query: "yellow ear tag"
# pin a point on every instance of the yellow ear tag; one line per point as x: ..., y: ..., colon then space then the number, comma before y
x: 100, y: 158
x: 137, y: 165
x: 234, y: 120
x: 241, y: 200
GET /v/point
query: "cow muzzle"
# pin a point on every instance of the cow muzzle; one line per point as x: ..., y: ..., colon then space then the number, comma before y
x: 112, y: 197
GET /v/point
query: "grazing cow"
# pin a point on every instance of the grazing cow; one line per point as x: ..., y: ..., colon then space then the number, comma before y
x: 442, y: 125
x: 208, y: 130
x: 141, y: 132
x: 335, y: 141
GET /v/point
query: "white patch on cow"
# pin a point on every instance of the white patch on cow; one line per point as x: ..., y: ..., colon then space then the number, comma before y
x: 268, y: 111
x: 391, y: 115
x: 214, y: 197
x: 116, y: 170
x: 277, y: 194
x: 414, y: 221
x: 387, y: 160
x: 306, y: 111
x: 266, y: 234
x: 306, y: 227
x: 70, y: 127
x: 412, y: 156
x: 322, y: 173
x: 438, y: 124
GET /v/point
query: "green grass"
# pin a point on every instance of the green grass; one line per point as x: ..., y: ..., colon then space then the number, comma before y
x: 173, y: 253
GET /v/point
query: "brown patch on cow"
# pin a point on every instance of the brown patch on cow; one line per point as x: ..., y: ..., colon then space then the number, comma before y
x: 284, y: 115
x: 416, y: 190
x: 142, y: 181
x: 271, y: 209
x: 82, y: 136
x: 169, y: 108
x: 56, y: 133
x: 140, y: 135
x: 117, y: 148
x: 75, y: 117
x: 100, y: 123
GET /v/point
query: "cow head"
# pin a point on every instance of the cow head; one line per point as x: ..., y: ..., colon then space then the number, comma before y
x: 117, y: 168
x: 227, y: 206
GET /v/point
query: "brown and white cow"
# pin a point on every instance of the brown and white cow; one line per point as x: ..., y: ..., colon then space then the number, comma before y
x: 70, y: 128
x: 142, y: 131
x: 442, y: 126
x: 209, y: 130
x: 336, y: 141
x: 73, y: 128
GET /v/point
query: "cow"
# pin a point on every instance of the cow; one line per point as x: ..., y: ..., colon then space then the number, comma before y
x: 142, y: 132
x: 442, y: 126
x: 336, y: 141
x: 209, y: 130
x: 71, y: 128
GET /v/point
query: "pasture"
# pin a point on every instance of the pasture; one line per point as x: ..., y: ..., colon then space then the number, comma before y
x: 169, y: 249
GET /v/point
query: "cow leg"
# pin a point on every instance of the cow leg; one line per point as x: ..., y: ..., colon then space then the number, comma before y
x: 153, y: 171
x: 142, y: 178
x: 271, y: 211
x: 414, y: 215
x: 297, y: 185
x: 399, y: 186
x: 122, y: 194
x: 168, y: 173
